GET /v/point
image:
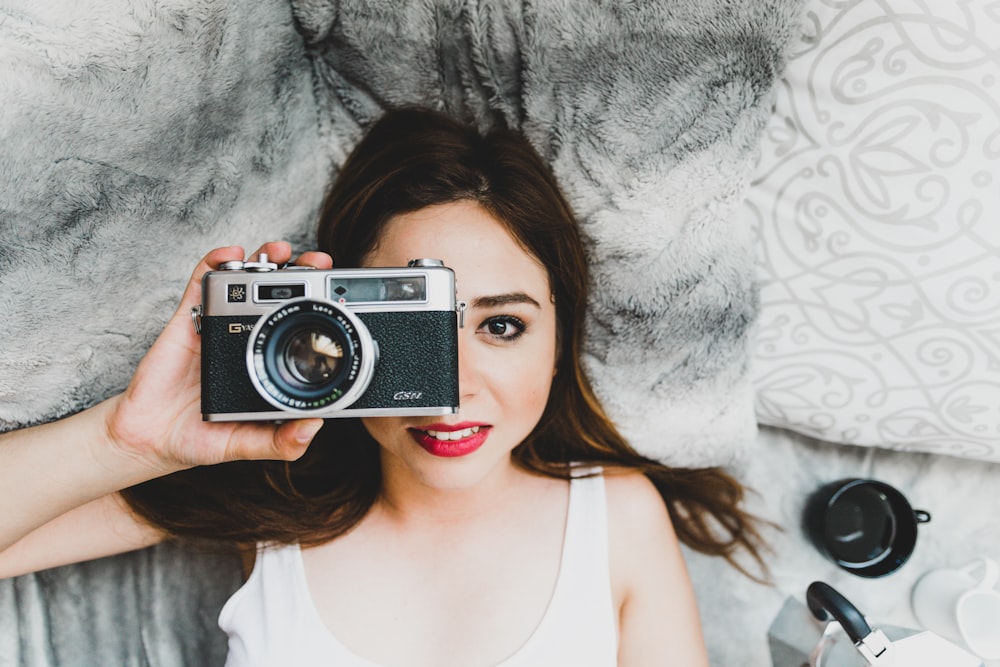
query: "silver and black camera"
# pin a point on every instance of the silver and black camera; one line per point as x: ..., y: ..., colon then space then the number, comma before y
x: 280, y: 343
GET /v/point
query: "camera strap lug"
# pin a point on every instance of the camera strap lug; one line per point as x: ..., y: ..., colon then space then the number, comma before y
x: 460, y: 309
x: 196, y: 318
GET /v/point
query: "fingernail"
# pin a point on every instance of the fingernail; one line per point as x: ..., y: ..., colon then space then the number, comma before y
x: 307, y: 430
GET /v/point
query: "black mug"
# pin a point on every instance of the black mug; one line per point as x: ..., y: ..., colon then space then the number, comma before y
x: 865, y: 526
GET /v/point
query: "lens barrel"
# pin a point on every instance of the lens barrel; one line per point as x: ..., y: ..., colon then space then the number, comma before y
x: 310, y: 355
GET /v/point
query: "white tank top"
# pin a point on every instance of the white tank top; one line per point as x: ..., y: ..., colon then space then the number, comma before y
x: 271, y: 620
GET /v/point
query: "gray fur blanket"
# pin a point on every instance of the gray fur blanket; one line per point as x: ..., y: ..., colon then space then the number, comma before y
x: 137, y: 135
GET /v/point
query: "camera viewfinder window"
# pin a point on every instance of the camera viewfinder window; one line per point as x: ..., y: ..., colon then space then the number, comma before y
x: 276, y: 292
x: 373, y: 290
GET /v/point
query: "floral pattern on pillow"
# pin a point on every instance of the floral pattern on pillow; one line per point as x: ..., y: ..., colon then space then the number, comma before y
x: 877, y: 206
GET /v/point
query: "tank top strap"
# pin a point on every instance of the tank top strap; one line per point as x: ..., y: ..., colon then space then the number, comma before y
x: 580, y: 627
x: 272, y: 619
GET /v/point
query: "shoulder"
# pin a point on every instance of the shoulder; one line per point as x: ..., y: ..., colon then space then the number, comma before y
x: 635, y: 506
x: 642, y: 544
x: 641, y: 537
x: 658, y: 615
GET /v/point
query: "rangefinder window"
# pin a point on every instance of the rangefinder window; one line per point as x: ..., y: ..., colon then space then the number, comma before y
x: 377, y: 290
x: 273, y: 292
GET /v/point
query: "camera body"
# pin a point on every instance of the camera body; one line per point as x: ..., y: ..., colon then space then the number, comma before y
x: 281, y: 343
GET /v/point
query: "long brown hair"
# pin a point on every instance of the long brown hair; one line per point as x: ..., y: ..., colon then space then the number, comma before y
x: 411, y: 159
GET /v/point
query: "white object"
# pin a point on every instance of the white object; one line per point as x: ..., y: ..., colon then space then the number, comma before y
x: 876, y: 202
x: 928, y: 649
x: 878, y: 650
x: 271, y: 620
x: 924, y: 649
x: 962, y: 604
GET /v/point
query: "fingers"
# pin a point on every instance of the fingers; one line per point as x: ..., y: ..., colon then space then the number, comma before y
x: 278, y: 252
x: 319, y: 260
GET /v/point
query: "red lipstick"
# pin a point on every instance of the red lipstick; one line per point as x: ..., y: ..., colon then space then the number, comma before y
x: 451, y: 440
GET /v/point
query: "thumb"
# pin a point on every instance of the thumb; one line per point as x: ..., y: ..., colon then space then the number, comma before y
x: 286, y: 442
x: 293, y: 438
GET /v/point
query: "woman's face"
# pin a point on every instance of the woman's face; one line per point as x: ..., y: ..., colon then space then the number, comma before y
x: 506, y: 350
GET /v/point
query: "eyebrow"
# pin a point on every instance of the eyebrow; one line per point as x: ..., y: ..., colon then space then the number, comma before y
x: 496, y: 300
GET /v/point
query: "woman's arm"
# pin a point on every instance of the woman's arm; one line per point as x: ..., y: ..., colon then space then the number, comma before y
x: 102, y: 527
x: 658, y: 622
x: 49, y: 470
x: 59, y: 482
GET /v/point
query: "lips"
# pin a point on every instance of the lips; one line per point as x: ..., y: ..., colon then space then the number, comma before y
x: 451, y: 440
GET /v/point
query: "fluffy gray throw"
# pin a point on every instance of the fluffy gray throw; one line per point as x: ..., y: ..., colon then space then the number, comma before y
x: 137, y: 135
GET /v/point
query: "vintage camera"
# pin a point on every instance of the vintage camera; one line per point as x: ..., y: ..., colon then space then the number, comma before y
x: 279, y: 343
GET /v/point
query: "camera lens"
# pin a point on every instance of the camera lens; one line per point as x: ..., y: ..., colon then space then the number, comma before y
x: 310, y: 355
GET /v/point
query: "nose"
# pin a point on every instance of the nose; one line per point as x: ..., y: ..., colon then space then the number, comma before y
x: 469, y: 371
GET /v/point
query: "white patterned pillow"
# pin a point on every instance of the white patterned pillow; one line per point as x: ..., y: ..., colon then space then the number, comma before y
x: 877, y: 202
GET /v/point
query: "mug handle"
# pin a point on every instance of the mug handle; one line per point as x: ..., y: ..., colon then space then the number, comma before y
x: 991, y: 572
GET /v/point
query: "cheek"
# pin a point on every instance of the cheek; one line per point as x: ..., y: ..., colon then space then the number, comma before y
x: 379, y: 427
x: 529, y: 380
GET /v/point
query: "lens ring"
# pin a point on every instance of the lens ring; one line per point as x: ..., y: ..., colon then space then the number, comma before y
x: 309, y: 378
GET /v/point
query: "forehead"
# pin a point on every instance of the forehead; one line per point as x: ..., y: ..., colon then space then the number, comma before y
x: 485, y: 257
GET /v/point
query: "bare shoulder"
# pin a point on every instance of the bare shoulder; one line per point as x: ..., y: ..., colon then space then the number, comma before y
x: 641, y: 537
x: 658, y: 614
x: 635, y: 507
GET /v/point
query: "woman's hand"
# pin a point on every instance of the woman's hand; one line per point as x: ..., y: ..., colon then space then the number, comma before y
x: 158, y: 420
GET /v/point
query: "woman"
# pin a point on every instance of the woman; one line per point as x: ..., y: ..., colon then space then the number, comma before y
x: 523, y: 530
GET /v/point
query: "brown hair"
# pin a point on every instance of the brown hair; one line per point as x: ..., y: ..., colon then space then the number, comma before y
x: 411, y: 159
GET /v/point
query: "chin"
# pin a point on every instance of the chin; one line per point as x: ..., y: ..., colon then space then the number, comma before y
x: 456, y: 473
